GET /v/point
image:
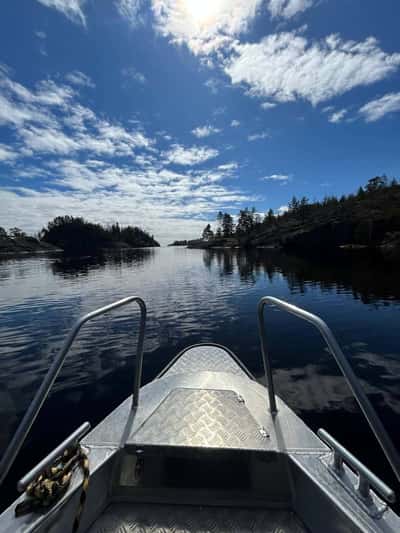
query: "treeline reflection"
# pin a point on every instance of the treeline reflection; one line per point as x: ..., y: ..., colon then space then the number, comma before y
x: 368, y: 277
x: 69, y: 267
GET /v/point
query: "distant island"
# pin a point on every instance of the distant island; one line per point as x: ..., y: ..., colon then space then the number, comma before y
x: 75, y: 236
x: 179, y: 243
x: 369, y: 218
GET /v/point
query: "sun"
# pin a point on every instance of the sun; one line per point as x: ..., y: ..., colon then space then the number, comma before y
x: 203, y: 12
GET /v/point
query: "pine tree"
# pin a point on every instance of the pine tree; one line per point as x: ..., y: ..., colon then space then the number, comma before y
x: 227, y: 225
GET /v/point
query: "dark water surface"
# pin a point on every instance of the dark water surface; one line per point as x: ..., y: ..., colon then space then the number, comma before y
x: 197, y: 296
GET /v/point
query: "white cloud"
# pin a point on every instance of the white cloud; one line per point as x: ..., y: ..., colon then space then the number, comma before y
x: 259, y: 136
x: 282, y: 209
x: 205, y: 131
x: 213, y: 84
x: 103, y: 170
x: 6, y: 153
x: 80, y: 79
x: 49, y: 119
x: 268, y: 105
x: 49, y: 140
x: 195, y: 155
x: 228, y: 166
x: 338, y: 116
x: 378, y: 108
x: 130, y: 10
x: 206, y: 25
x: 235, y: 123
x: 72, y: 9
x: 131, y: 73
x: 41, y: 35
x: 288, y: 8
x: 277, y: 177
x: 287, y: 67
x: 50, y: 94
x: 219, y: 111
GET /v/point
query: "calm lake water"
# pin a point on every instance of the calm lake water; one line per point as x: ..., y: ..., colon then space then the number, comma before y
x: 197, y: 296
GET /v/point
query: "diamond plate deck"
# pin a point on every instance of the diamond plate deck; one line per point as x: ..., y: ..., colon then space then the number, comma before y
x: 143, y: 518
x: 209, y: 358
x: 202, y: 418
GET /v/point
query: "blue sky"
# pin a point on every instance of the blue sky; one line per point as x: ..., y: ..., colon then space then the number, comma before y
x: 159, y: 113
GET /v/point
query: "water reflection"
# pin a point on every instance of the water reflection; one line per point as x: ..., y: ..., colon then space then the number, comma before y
x: 367, y: 277
x: 81, y: 266
x: 197, y: 296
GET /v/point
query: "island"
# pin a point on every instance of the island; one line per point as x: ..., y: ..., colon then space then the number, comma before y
x: 75, y: 236
x: 179, y: 243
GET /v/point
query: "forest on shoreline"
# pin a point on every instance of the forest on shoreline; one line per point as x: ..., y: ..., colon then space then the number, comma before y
x: 370, y: 218
x: 75, y: 236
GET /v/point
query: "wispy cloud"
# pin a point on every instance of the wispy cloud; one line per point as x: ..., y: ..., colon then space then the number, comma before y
x: 378, y: 108
x: 205, y: 131
x: 258, y: 136
x: 282, y: 209
x: 235, y: 123
x: 7, y: 153
x: 219, y: 111
x: 288, y: 8
x: 315, y: 71
x: 50, y: 120
x: 103, y: 170
x: 41, y: 35
x: 337, y: 116
x: 72, y: 9
x: 268, y: 105
x: 213, y: 84
x: 204, y: 31
x: 277, y: 177
x: 131, y: 74
x: 194, y: 155
x: 78, y: 78
x: 131, y: 10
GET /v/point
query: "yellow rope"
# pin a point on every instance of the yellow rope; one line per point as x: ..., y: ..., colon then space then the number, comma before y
x: 50, y: 486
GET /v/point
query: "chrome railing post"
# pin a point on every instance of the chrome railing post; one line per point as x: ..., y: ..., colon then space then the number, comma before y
x: 139, y: 351
x: 44, y: 389
x: 266, y: 358
x: 365, y: 405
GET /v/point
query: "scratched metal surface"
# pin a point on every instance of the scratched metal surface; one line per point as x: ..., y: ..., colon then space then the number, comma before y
x: 202, y: 418
x: 143, y: 518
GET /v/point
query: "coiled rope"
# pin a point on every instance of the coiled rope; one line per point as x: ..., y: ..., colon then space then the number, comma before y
x: 52, y: 484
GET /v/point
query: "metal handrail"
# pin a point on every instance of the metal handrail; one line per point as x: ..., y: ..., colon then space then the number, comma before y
x: 70, y: 441
x: 44, y: 389
x: 365, y: 405
x: 365, y: 477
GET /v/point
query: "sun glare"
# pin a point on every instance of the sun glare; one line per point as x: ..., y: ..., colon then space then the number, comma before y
x: 201, y: 11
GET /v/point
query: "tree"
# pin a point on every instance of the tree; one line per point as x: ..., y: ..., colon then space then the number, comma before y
x: 270, y: 217
x: 257, y: 220
x: 16, y: 233
x: 3, y: 233
x: 227, y: 225
x: 374, y: 184
x: 220, y: 217
x: 245, y: 222
x: 77, y: 235
x: 360, y: 193
x: 218, y: 233
x: 303, y: 207
x: 208, y: 233
x: 294, y: 205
